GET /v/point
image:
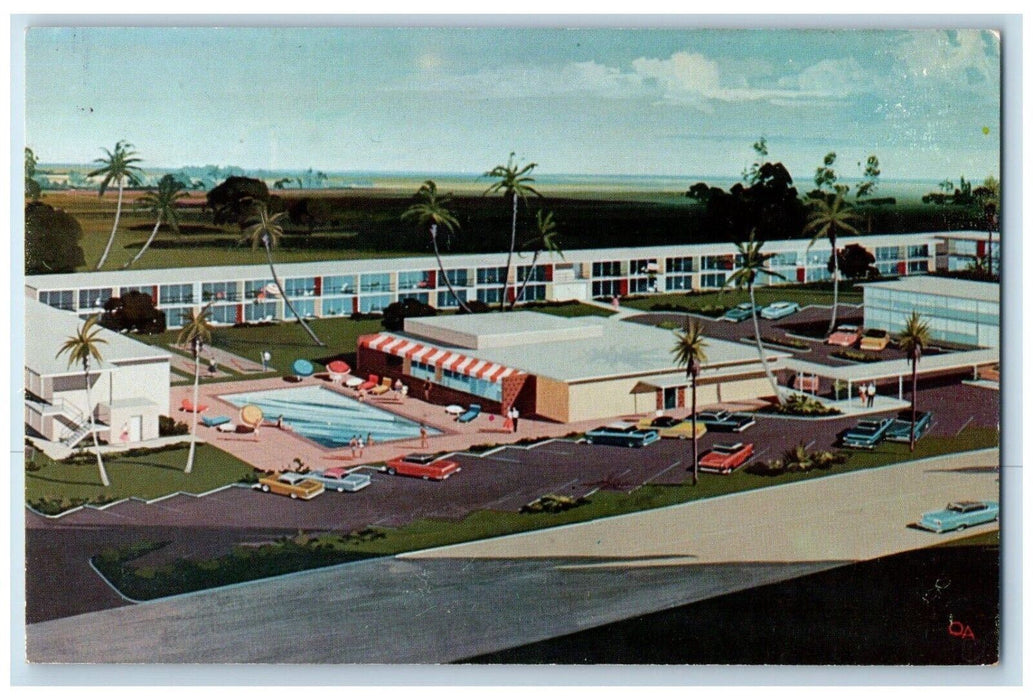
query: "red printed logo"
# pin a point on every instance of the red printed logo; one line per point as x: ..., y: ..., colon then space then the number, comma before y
x: 960, y: 629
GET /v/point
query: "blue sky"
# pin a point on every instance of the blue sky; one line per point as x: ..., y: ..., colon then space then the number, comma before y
x: 600, y: 101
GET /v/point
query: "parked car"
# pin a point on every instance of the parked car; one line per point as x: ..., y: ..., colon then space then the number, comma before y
x: 422, y: 465
x: 670, y: 427
x: 339, y: 479
x: 739, y: 313
x: 959, y: 515
x: 291, y: 484
x: 875, y: 340
x: 621, y: 435
x: 845, y: 336
x: 866, y: 434
x: 725, y: 421
x: 900, y: 429
x: 780, y: 309
x: 725, y: 458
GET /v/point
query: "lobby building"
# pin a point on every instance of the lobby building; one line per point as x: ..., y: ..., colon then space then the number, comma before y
x: 958, y: 311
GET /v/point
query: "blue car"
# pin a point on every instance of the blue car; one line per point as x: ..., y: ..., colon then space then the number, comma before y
x: 866, y: 434
x: 621, y: 435
x: 900, y: 429
x: 739, y: 313
x: 959, y: 515
x: 780, y: 309
x: 725, y: 422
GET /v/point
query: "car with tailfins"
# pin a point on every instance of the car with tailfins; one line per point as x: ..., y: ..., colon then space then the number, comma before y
x: 290, y: 484
x: 621, y: 435
x: 866, y: 434
x: 900, y: 429
x: 671, y: 427
x: 340, y: 479
x: 725, y: 421
x: 874, y: 340
x: 959, y: 515
x: 779, y: 309
x: 738, y: 313
x: 845, y: 335
x: 424, y: 466
x: 725, y: 458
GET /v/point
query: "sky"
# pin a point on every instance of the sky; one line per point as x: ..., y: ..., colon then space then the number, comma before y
x: 453, y: 100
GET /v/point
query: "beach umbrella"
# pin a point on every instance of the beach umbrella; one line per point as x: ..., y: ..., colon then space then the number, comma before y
x: 251, y: 416
x: 338, y: 367
x: 303, y: 368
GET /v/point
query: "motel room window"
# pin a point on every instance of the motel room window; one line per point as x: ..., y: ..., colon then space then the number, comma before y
x: 678, y: 282
x: 819, y: 257
x: 716, y: 262
x: 420, y: 370
x: 639, y: 285
x: 339, y: 284
x: 94, y: 298
x: 422, y: 297
x: 375, y: 282
x: 786, y: 259
x: 887, y: 269
x: 374, y: 303
x: 679, y: 265
x: 887, y: 252
x: 642, y: 267
x: 447, y: 301
x: 606, y: 288
x: 490, y: 295
x: 143, y: 289
x: 817, y: 274
x: 176, y: 294
x: 300, y: 287
x: 224, y: 314
x: 62, y: 299
x: 413, y: 280
x: 537, y: 274
x: 219, y: 291
x: 606, y: 268
x: 252, y: 288
x: 915, y: 266
x: 337, y: 307
x: 177, y: 317
x: 534, y: 292
x: 918, y: 251
x: 260, y: 311
x: 491, y: 275
x: 712, y: 280
x: 306, y: 308
x: 458, y: 278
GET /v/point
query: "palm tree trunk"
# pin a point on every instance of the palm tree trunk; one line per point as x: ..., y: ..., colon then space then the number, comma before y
x: 760, y: 349
x: 509, y: 258
x: 276, y: 281
x: 193, y: 428
x: 835, y: 285
x: 111, y: 238
x: 695, y: 438
x: 89, y: 416
x: 520, y: 292
x: 914, y: 400
x: 147, y: 243
x: 441, y: 269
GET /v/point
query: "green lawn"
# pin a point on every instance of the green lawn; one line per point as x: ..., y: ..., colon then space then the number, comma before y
x: 146, y: 476
x: 802, y: 294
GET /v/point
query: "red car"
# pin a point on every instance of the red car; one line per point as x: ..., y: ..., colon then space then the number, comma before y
x: 421, y: 465
x: 845, y: 336
x: 725, y: 458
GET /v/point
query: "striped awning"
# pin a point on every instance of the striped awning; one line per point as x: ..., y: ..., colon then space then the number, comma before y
x: 437, y: 357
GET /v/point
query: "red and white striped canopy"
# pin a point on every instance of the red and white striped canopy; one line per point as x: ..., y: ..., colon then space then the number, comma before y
x: 436, y: 357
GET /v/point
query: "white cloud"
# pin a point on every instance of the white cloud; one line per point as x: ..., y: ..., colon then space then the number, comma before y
x: 958, y: 58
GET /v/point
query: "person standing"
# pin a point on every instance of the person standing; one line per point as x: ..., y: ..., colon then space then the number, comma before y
x: 426, y: 392
x: 515, y: 415
x: 871, y: 394
x: 360, y: 446
x: 423, y: 435
x: 266, y: 359
x: 862, y: 394
x: 212, y: 366
x: 353, y: 444
x: 369, y: 439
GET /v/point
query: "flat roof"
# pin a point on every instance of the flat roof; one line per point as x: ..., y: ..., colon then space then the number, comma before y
x: 897, y: 368
x: 943, y: 286
x: 480, y: 331
x: 48, y: 329
x: 607, y: 348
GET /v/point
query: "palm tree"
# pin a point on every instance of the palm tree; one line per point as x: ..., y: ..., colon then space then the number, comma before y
x: 689, y: 353
x: 512, y: 182
x: 117, y: 167
x: 753, y: 262
x: 544, y: 241
x: 162, y: 205
x: 913, y: 340
x: 430, y: 211
x: 80, y: 348
x: 828, y: 221
x: 197, y: 332
x: 267, y: 232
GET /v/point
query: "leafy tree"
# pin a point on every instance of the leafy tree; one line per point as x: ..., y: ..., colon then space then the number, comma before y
x: 196, y: 333
x: 51, y: 240
x: 870, y: 178
x: 700, y: 192
x: 545, y: 241
x: 828, y: 221
x: 752, y: 262
x: 162, y: 206
x: 431, y: 211
x: 32, y: 188
x: 234, y: 200
x: 825, y: 178
x: 396, y: 313
x: 133, y: 311
x: 771, y: 207
x: 513, y: 182
x: 752, y: 175
x: 267, y: 233
x: 689, y: 352
x: 856, y: 262
x: 81, y: 348
x: 118, y: 167
x: 913, y: 340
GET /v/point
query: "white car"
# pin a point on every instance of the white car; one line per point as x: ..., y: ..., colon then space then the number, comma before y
x: 779, y: 309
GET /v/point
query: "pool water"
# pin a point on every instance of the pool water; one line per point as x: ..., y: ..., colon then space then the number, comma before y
x: 327, y: 417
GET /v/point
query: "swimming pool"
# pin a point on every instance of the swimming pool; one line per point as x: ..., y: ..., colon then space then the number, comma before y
x: 327, y: 417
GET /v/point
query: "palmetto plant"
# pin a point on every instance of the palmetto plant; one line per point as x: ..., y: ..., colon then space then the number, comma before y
x: 828, y: 221
x: 546, y: 240
x: 161, y: 204
x: 196, y: 333
x: 511, y: 181
x: 797, y: 459
x: 81, y: 348
x: 267, y: 232
x: 689, y: 352
x: 913, y: 340
x: 118, y: 167
x: 752, y: 262
x: 430, y: 211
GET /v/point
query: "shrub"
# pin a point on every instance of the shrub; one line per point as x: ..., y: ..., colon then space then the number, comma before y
x: 784, y: 341
x: 169, y: 426
x: 552, y: 503
x: 797, y: 459
x: 855, y: 356
x: 802, y: 405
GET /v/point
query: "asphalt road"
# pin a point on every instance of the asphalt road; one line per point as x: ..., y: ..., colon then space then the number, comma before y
x: 472, y: 599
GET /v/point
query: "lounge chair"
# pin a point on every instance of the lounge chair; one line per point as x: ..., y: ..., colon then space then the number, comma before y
x: 189, y: 407
x: 370, y: 383
x: 227, y: 428
x: 383, y: 388
x: 213, y: 421
x: 471, y: 413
